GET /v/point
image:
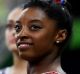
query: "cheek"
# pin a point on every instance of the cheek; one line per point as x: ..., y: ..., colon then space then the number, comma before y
x: 44, y: 37
x: 10, y: 39
x: 43, y: 42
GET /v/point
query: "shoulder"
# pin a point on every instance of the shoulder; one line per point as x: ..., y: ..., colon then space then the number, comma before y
x: 5, y: 70
x: 0, y: 71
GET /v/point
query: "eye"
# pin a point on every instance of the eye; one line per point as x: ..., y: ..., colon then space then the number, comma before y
x: 35, y: 27
x: 10, y: 26
x: 18, y: 27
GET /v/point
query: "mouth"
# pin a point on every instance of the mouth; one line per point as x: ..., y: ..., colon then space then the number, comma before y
x: 24, y: 45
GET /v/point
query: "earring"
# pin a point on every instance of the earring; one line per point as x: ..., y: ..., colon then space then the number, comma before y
x: 57, y: 41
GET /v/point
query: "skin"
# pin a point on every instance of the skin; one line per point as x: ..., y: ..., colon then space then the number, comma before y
x: 36, y: 35
x: 19, y: 65
x: 9, y: 33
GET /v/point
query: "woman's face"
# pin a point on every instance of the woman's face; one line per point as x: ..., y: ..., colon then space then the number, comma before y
x: 36, y: 34
x: 9, y: 32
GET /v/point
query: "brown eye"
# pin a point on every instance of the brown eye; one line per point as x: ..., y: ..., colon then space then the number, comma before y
x: 18, y: 27
x: 35, y: 27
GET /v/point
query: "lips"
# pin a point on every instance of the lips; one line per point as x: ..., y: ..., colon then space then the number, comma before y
x: 24, y: 45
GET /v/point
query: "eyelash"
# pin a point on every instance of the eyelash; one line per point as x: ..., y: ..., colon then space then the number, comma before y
x: 35, y: 27
x: 17, y: 28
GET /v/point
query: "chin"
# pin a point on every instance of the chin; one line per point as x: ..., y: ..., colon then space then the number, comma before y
x: 26, y: 57
x: 12, y: 47
x: 33, y: 59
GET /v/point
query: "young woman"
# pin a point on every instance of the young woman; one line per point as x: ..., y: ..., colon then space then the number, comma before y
x: 42, y: 30
x: 19, y: 65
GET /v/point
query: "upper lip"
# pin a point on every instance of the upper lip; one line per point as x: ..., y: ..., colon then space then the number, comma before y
x: 24, y: 42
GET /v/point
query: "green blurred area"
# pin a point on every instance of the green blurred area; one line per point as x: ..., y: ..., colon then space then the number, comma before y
x: 75, y: 42
x: 4, y: 53
x: 3, y: 11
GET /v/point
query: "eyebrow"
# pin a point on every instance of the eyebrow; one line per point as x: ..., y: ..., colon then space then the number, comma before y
x: 35, y: 20
x: 18, y: 21
x: 32, y: 21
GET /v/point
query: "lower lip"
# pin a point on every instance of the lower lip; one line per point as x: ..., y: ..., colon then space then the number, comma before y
x: 24, y: 47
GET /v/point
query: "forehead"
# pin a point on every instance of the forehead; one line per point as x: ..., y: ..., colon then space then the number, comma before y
x: 32, y: 13
x: 14, y: 14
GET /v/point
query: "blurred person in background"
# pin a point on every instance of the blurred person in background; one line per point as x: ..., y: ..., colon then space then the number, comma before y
x: 19, y: 66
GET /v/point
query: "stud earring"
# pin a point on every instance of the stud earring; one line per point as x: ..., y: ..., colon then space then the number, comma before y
x: 57, y: 41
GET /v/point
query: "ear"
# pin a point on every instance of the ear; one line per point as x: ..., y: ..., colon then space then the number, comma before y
x: 61, y: 35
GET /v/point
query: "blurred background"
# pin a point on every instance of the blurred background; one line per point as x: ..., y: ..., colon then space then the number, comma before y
x: 7, y: 5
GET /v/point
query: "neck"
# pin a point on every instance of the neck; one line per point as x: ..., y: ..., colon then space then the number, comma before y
x: 19, y: 65
x: 48, y: 63
x: 18, y: 62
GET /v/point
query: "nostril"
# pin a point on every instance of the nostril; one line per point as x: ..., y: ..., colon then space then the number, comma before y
x: 23, y: 38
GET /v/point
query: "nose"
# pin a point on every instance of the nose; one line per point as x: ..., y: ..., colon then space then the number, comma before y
x: 24, y: 33
x: 13, y: 32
